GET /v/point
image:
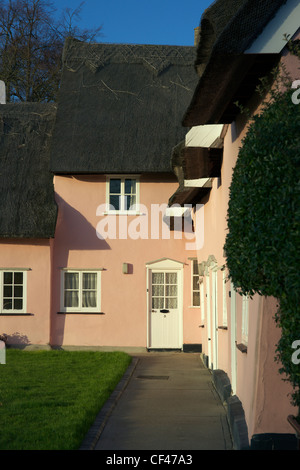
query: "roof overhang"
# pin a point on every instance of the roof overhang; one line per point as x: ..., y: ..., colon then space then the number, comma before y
x: 226, y: 81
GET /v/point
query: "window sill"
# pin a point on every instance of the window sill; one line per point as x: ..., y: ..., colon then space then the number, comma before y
x: 123, y: 213
x: 242, y: 347
x: 194, y: 306
x: 81, y: 313
x: 15, y: 314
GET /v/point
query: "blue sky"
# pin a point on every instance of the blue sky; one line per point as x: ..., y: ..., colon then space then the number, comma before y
x: 142, y: 21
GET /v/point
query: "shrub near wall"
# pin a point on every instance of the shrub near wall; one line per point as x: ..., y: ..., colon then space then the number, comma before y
x: 262, y: 244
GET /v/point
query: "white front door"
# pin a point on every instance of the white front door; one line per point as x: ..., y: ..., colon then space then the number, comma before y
x: 164, y: 306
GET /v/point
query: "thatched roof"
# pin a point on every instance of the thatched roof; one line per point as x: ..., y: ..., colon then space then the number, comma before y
x: 121, y: 106
x: 27, y: 209
x: 228, y: 28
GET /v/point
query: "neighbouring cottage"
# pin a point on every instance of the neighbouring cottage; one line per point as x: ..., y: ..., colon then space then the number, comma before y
x: 239, y: 43
x: 90, y: 255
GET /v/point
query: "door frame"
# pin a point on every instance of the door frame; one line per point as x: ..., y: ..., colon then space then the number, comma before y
x: 165, y: 264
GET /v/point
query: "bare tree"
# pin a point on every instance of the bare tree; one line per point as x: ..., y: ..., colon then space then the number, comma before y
x: 31, y: 44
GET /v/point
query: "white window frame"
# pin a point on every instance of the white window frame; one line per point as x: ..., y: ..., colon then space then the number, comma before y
x: 24, y: 297
x: 245, y: 319
x: 194, y: 260
x: 123, y: 210
x: 80, y: 309
x: 225, y: 316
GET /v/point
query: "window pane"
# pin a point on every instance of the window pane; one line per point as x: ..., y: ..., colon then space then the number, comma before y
x: 18, y: 291
x: 157, y: 278
x: 129, y: 202
x: 171, y: 278
x: 18, y: 304
x: 130, y: 186
x: 71, y: 280
x: 71, y: 299
x: 7, y: 291
x: 171, y: 302
x: 89, y: 299
x: 196, y: 299
x: 89, y: 280
x: 8, y: 278
x: 195, y: 266
x: 7, y: 304
x: 196, y: 283
x: 171, y: 290
x: 18, y: 278
x: 158, y: 290
x: 157, y: 302
x: 115, y: 186
x: 114, y: 201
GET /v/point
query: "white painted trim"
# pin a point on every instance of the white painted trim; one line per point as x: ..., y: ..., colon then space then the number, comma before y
x: 24, y: 298
x: 271, y: 40
x: 224, y: 299
x: 123, y: 177
x: 166, y: 264
x: 198, y: 183
x: 208, y: 316
x: 233, y: 339
x: 96, y: 309
x: 215, y: 318
x: 203, y: 136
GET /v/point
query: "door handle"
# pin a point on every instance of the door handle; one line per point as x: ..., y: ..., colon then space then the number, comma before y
x: 164, y: 311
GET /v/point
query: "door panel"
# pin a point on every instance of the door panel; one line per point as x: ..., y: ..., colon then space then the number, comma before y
x: 164, y: 310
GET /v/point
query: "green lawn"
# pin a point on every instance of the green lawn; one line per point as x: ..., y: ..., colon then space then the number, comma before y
x: 49, y: 399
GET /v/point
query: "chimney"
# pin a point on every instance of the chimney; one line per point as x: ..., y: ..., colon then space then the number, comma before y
x: 2, y: 93
x: 196, y: 36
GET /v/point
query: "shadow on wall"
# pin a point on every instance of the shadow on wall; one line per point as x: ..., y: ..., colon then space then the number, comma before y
x: 17, y: 340
x: 73, y: 233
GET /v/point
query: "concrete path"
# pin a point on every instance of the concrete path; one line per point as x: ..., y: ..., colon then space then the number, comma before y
x: 169, y: 403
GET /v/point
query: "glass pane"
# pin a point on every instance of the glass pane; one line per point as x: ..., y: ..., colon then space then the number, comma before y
x: 171, y: 290
x: 7, y: 304
x: 196, y: 283
x: 18, y: 291
x: 115, y: 186
x: 196, y: 299
x: 71, y: 280
x: 114, y: 201
x: 157, y: 302
x: 71, y: 299
x: 18, y: 304
x: 129, y: 202
x: 130, y: 186
x: 7, y: 291
x: 89, y: 299
x: 158, y: 290
x: 89, y: 280
x: 157, y: 278
x: 171, y: 302
x: 171, y: 278
x: 195, y: 266
x: 18, y: 278
x: 8, y: 277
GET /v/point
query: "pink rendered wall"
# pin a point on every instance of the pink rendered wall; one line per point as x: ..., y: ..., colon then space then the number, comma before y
x: 34, y: 255
x: 260, y: 387
x: 124, y: 298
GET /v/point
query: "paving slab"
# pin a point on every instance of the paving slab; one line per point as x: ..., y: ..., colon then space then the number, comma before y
x: 168, y: 403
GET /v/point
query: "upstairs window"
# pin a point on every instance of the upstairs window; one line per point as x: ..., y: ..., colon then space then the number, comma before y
x: 122, y: 194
